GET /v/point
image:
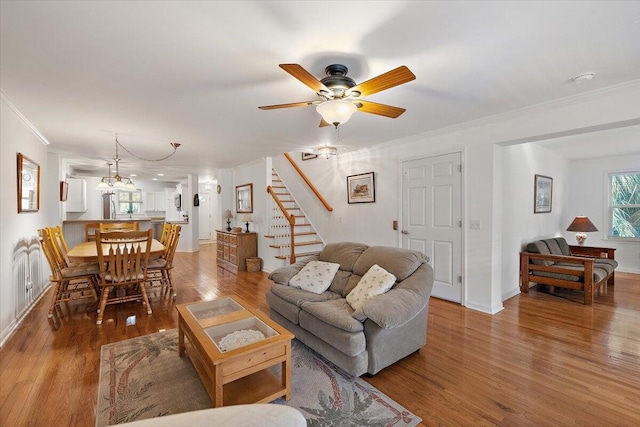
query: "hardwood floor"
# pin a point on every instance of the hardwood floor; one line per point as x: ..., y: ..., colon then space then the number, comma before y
x: 543, y: 361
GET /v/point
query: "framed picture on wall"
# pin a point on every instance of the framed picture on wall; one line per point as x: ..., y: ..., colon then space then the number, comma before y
x: 361, y: 188
x: 543, y: 194
x: 244, y: 198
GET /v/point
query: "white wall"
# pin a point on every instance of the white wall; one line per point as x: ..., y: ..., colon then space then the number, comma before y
x: 16, y: 136
x: 519, y: 224
x: 254, y: 173
x: 587, y: 197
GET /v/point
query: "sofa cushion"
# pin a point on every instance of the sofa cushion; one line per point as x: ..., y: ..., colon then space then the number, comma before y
x: 297, y: 296
x: 539, y: 247
x: 598, y: 273
x: 397, y: 261
x: 564, y: 246
x: 340, y: 282
x: 351, y: 284
x: 284, y: 308
x: 315, y: 277
x: 606, y: 263
x: 349, y: 343
x: 553, y: 246
x: 346, y: 254
x: 375, y: 282
x: 335, y: 312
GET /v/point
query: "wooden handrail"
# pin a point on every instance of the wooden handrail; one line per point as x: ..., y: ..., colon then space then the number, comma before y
x: 311, y: 186
x: 290, y: 218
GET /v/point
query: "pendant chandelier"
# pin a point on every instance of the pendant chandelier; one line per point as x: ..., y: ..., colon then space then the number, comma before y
x: 118, y: 182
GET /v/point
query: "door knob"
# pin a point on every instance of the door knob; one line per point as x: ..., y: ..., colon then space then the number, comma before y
x: 404, y: 232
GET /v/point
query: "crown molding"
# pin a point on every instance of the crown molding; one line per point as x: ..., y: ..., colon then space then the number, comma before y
x: 632, y: 85
x: 23, y: 118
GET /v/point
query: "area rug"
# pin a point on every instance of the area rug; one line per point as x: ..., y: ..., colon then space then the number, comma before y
x: 144, y: 378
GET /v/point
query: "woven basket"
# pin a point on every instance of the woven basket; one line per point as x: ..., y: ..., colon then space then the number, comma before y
x: 254, y: 264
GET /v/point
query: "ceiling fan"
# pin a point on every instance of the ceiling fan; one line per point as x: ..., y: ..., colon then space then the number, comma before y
x: 341, y: 95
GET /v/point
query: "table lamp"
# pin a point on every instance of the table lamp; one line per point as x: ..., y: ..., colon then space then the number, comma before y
x: 582, y: 225
x: 246, y: 218
x: 228, y: 216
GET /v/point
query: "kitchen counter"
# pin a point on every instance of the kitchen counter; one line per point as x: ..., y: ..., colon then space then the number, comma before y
x: 138, y: 219
x: 73, y: 229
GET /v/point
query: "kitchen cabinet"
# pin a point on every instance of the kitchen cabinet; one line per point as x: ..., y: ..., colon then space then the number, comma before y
x: 233, y: 249
x: 155, y: 201
x: 77, y: 196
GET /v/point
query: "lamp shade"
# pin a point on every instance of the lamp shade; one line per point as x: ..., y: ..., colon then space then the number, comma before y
x: 336, y: 111
x: 103, y: 185
x: 228, y: 214
x: 246, y: 218
x: 582, y: 224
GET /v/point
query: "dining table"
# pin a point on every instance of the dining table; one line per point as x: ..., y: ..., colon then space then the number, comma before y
x: 88, y: 251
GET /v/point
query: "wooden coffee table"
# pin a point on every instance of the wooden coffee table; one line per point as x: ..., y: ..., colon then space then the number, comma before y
x: 239, y: 375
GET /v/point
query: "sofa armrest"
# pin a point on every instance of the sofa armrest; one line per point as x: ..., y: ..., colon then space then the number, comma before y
x: 403, y: 302
x: 282, y: 275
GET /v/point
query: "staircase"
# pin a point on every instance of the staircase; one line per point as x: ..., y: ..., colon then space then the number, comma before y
x: 305, y: 238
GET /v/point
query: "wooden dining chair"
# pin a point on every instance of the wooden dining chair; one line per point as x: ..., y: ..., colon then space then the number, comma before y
x: 69, y: 283
x: 90, y: 230
x: 108, y: 227
x: 159, y: 271
x: 123, y: 257
x: 166, y: 229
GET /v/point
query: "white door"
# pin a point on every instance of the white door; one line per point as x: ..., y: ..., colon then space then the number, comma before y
x: 432, y: 219
x: 204, y: 216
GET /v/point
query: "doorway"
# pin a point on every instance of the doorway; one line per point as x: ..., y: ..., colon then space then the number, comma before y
x: 204, y: 217
x: 432, y: 218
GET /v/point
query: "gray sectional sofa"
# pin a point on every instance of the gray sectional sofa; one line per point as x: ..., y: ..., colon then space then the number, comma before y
x: 550, y: 262
x: 396, y: 321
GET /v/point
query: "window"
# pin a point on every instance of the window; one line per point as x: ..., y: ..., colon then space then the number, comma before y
x: 624, y: 205
x: 129, y: 202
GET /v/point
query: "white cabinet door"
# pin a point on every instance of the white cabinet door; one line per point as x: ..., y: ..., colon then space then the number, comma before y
x: 77, y: 198
x: 155, y: 201
x: 161, y: 201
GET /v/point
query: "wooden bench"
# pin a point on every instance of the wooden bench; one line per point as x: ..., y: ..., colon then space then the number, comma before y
x: 563, y: 269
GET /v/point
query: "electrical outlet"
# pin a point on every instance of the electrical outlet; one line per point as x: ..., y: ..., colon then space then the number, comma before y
x: 475, y: 224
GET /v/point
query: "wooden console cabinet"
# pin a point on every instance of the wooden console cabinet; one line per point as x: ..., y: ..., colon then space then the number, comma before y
x: 234, y: 249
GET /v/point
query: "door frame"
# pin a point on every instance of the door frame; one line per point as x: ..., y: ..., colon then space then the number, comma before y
x: 463, y: 211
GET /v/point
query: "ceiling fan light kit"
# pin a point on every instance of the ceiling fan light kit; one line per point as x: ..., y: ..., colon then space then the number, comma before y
x: 337, y: 111
x: 341, y: 95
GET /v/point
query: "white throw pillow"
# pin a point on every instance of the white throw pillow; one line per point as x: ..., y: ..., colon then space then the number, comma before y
x: 315, y: 277
x: 375, y: 282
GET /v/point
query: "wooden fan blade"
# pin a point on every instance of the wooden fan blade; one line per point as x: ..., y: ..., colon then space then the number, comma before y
x: 384, y: 81
x: 379, y: 109
x: 324, y: 123
x: 293, y: 104
x: 305, y: 77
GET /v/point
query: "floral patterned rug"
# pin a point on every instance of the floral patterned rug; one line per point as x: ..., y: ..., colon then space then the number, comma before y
x: 144, y: 378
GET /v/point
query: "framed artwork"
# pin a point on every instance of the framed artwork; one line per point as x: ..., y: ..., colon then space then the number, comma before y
x: 244, y: 198
x: 64, y: 191
x: 543, y: 194
x: 28, y: 185
x: 309, y: 156
x: 361, y: 188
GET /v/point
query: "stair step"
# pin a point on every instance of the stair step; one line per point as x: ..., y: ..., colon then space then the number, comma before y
x: 304, y: 233
x: 300, y: 255
x: 315, y: 242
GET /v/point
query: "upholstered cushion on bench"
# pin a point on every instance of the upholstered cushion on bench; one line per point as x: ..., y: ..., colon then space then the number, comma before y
x: 550, y: 262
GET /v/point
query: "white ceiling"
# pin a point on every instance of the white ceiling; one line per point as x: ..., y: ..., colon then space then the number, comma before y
x: 195, y: 72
